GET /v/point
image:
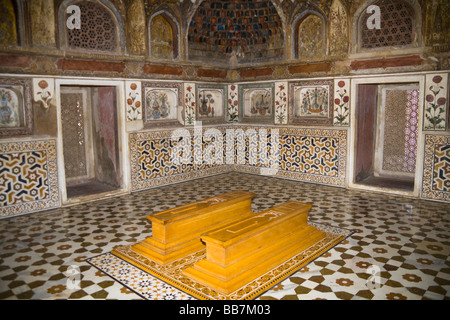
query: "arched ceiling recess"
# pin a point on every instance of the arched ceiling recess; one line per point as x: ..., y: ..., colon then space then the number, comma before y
x: 247, y: 30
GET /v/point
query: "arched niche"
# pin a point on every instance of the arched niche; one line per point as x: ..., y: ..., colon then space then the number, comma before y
x: 400, y: 26
x: 101, y: 28
x: 164, y: 39
x: 309, y: 36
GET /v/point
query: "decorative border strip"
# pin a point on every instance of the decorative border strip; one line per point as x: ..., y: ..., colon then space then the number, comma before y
x: 432, y: 163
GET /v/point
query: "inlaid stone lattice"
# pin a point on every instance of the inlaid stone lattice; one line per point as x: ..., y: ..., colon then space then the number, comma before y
x: 98, y: 30
x: 397, y: 26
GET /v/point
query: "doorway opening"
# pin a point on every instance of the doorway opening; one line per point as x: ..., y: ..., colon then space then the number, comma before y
x: 387, y: 135
x: 90, y: 140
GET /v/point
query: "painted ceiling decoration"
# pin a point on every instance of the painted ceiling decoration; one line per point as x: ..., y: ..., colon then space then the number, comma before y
x: 245, y: 28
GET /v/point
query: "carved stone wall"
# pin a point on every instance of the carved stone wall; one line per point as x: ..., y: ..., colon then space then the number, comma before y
x: 223, y: 40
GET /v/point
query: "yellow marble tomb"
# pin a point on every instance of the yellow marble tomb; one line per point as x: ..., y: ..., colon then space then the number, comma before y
x: 244, y: 250
x: 176, y: 232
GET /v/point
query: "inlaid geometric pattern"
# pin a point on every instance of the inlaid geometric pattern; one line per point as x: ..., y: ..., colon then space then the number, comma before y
x: 157, y: 159
x: 441, y: 175
x: 411, y: 130
x: 399, y: 249
x: 314, y: 155
x: 436, y: 172
x: 322, y: 155
x: 28, y: 177
x: 310, y: 155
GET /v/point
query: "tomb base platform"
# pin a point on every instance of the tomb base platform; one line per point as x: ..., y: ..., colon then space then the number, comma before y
x: 173, y: 272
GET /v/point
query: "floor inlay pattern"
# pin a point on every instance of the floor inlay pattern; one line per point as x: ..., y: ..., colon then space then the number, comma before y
x: 400, y: 248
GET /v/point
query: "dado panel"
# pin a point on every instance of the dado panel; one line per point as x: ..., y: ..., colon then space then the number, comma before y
x: 312, y: 155
x: 28, y: 177
x: 436, y: 173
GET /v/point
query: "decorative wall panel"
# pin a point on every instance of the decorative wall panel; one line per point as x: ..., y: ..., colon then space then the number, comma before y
x: 162, y: 103
x: 311, y: 155
x: 436, y: 97
x: 189, y: 103
x: 256, y: 103
x: 8, y: 29
x: 11, y: 108
x: 310, y: 37
x: 399, y: 134
x: 161, y: 38
x: 43, y: 91
x: 338, y: 29
x: 233, y: 103
x: 211, y: 103
x: 311, y: 102
x: 28, y: 177
x: 281, y: 103
x: 157, y: 158
x: 16, y: 116
x: 134, y: 100
x: 341, y: 102
x: 436, y: 171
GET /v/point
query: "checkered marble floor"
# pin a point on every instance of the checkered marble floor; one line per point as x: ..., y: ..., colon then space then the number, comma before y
x: 400, y: 248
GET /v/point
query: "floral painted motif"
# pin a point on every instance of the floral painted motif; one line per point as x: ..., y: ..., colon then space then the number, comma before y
x: 233, y: 103
x: 189, y: 103
x: 341, y: 103
x: 43, y: 91
x: 435, y: 102
x: 133, y: 103
x: 281, y: 109
x: 211, y: 102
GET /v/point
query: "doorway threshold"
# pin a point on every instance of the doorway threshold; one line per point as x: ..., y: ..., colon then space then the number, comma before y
x: 86, y: 198
x: 405, y: 192
x: 401, y: 184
